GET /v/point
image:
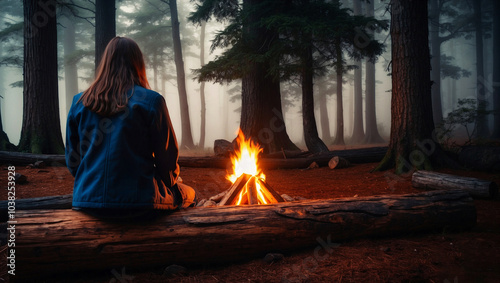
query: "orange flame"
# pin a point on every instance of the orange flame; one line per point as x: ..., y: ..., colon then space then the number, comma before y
x: 245, y: 160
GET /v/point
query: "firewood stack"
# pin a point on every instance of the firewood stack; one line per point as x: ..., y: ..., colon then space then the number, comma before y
x: 244, y: 192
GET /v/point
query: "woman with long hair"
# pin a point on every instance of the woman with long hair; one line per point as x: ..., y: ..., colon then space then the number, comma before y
x: 120, y: 144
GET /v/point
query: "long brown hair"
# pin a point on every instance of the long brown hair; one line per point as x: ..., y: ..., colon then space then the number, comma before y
x: 121, y: 66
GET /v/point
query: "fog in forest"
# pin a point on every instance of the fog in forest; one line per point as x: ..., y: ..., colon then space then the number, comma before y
x: 223, y: 101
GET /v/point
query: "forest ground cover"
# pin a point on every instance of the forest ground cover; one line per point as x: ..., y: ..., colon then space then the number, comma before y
x: 466, y: 256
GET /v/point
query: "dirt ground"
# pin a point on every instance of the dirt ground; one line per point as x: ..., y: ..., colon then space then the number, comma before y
x: 468, y: 256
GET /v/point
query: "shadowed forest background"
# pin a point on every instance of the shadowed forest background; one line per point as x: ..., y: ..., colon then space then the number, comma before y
x: 461, y: 34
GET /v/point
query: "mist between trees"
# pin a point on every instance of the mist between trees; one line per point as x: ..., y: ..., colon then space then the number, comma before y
x: 453, y: 25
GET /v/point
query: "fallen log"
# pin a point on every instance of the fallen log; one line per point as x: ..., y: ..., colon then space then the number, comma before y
x: 362, y: 155
x: 477, y: 188
x: 338, y: 163
x: 65, y: 240
x: 51, y: 202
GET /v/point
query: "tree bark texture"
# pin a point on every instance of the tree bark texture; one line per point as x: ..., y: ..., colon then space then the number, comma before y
x: 412, y: 124
x: 496, y: 70
x: 186, y: 135
x: 481, y: 121
x: 313, y: 142
x: 372, y: 134
x: 105, y: 26
x: 339, y: 135
x: 203, y: 111
x: 70, y: 68
x: 358, y: 133
x: 41, y: 129
x: 326, y: 136
x: 261, y: 110
x: 73, y: 241
x: 437, y: 109
x: 477, y: 188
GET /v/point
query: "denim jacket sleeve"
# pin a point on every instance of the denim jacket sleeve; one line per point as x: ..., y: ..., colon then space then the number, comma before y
x: 164, y: 142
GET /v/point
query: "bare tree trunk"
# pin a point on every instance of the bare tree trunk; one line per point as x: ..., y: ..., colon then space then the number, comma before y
x: 339, y: 136
x: 313, y: 142
x: 482, y: 121
x: 70, y: 68
x: 323, y: 114
x: 105, y: 26
x: 187, y: 138
x: 437, y: 108
x: 358, y: 131
x: 261, y: 110
x: 496, y: 69
x: 41, y: 130
x: 5, y: 144
x: 203, y: 114
x: 372, y: 134
x: 155, y: 71
x: 411, y: 143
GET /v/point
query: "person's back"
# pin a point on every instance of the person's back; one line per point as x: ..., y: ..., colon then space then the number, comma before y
x: 120, y: 144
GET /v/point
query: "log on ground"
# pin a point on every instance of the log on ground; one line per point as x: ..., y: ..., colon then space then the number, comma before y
x: 50, y: 202
x: 477, y: 188
x: 57, y: 240
x: 362, y: 155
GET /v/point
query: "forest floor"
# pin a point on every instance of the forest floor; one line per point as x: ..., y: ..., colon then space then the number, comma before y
x: 467, y: 256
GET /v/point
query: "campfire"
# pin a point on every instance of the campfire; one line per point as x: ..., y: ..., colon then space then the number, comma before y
x: 249, y: 182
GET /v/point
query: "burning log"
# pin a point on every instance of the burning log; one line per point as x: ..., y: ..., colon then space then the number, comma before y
x: 234, y: 190
x: 477, y: 188
x: 65, y: 240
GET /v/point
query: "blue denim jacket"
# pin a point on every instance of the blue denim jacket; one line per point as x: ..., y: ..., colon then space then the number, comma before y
x: 128, y: 160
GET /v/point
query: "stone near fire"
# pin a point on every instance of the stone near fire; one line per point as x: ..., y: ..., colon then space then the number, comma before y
x: 20, y: 179
x: 223, y: 148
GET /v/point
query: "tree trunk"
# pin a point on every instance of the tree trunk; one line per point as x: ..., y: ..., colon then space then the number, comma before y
x: 105, y: 26
x: 372, y: 135
x: 313, y: 142
x: 261, y: 110
x: 187, y: 138
x: 70, y: 68
x: 481, y: 121
x: 323, y: 114
x: 339, y: 136
x: 41, y: 130
x: 358, y: 133
x: 412, y: 124
x: 437, y: 109
x: 5, y: 144
x: 74, y: 242
x: 50, y: 202
x: 496, y: 70
x: 477, y: 188
x: 203, y: 114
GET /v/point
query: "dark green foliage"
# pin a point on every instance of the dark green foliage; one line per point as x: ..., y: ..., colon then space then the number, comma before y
x: 448, y: 70
x: 464, y: 116
x: 327, y: 22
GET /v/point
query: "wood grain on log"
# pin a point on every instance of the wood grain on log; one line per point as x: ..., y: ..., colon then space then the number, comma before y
x: 477, y: 188
x: 51, y: 202
x: 338, y: 163
x: 49, y: 241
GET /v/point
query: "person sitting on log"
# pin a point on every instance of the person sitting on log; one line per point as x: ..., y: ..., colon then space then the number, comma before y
x: 120, y: 144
